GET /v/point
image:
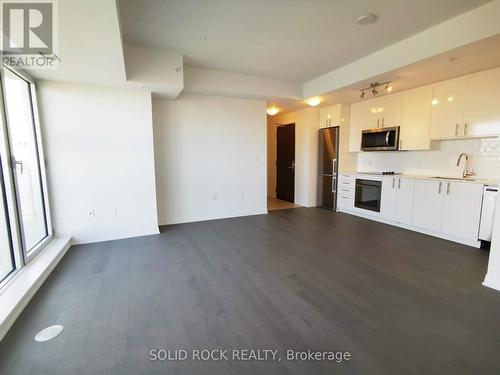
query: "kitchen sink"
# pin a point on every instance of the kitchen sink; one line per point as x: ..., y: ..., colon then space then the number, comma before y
x: 455, y: 178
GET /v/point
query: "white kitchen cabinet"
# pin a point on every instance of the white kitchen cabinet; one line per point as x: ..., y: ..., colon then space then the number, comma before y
x: 361, y: 118
x: 482, y: 104
x: 388, y: 197
x: 428, y: 204
x: 404, y: 200
x: 345, y: 191
x: 371, y: 114
x: 330, y: 116
x: 386, y: 110
x: 447, y: 102
x: 461, y: 209
x: 416, y: 119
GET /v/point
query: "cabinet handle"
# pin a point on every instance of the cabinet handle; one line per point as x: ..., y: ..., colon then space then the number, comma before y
x: 378, y: 120
x: 393, y: 182
x: 440, y: 184
x: 399, y: 183
x: 383, y: 121
x: 456, y: 130
x: 448, y: 189
x: 465, y: 128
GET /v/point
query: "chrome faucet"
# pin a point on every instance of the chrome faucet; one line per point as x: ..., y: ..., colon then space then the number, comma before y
x: 466, y: 173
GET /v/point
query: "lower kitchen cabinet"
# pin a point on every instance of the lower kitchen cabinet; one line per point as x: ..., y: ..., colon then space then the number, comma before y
x: 428, y: 204
x: 397, y: 199
x: 461, y: 209
x: 404, y: 200
x: 388, y: 198
x: 444, y: 208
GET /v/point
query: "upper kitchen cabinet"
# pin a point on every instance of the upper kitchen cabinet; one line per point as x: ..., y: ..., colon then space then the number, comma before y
x: 482, y: 104
x: 330, y: 116
x: 361, y: 119
x: 386, y: 111
x: 381, y: 112
x: 415, y: 119
x: 448, y: 109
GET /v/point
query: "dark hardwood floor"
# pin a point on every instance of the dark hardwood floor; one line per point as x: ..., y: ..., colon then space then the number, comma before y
x: 399, y: 302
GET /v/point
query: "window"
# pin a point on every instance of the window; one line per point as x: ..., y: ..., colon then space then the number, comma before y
x: 6, y: 256
x: 24, y: 216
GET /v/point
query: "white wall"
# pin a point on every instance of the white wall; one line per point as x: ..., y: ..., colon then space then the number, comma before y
x: 210, y: 157
x: 99, y: 147
x: 441, y: 160
x: 492, y: 278
x: 306, y: 154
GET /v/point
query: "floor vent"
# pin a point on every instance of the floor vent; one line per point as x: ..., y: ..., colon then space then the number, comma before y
x: 49, y: 333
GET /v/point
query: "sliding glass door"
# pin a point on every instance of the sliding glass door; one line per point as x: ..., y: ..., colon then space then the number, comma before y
x: 6, y: 254
x: 23, y: 151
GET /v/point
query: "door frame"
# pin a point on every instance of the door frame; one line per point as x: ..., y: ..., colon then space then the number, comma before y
x: 292, y: 124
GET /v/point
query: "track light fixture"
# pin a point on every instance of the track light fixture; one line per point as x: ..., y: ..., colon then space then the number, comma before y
x: 373, y: 88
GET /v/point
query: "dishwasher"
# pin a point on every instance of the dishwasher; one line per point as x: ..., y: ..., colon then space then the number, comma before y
x: 487, y: 215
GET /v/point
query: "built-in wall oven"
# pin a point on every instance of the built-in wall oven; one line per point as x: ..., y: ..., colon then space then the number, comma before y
x: 367, y: 194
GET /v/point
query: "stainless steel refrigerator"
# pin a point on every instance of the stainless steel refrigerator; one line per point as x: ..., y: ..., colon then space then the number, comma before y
x: 328, y: 161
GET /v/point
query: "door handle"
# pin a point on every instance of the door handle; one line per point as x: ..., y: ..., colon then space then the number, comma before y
x: 17, y: 163
x: 387, y: 135
x: 440, y: 184
x: 399, y: 183
x: 393, y: 182
x: 448, y: 189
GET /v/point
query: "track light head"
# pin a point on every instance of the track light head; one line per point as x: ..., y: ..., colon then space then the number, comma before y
x: 362, y: 94
x: 374, y: 91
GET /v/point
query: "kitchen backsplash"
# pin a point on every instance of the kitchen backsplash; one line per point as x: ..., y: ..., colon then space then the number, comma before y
x: 441, y: 160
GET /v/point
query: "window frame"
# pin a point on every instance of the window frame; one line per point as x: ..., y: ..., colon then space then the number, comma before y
x: 21, y: 254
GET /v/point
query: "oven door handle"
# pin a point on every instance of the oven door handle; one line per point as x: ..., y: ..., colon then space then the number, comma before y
x: 387, y: 135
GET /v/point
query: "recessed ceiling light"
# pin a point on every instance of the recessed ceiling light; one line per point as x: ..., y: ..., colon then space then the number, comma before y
x: 366, y: 19
x: 271, y: 111
x: 314, y: 101
x: 200, y: 37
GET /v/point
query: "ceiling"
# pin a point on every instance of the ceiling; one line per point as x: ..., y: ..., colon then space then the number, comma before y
x: 471, y: 58
x: 292, y: 40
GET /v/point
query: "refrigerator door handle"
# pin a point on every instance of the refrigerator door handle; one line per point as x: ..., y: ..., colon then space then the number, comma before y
x: 334, y: 182
x: 334, y: 166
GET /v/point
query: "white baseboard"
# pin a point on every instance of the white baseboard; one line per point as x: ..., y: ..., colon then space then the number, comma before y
x: 491, y: 282
x: 20, y: 289
x: 185, y: 220
x: 89, y: 240
x: 473, y: 243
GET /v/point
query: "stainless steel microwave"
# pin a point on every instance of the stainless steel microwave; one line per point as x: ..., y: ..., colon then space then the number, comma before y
x: 380, y: 139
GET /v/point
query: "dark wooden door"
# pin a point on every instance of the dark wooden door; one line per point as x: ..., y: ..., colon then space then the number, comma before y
x: 285, y: 162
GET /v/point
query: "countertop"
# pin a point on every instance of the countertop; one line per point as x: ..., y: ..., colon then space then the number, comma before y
x: 473, y: 180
